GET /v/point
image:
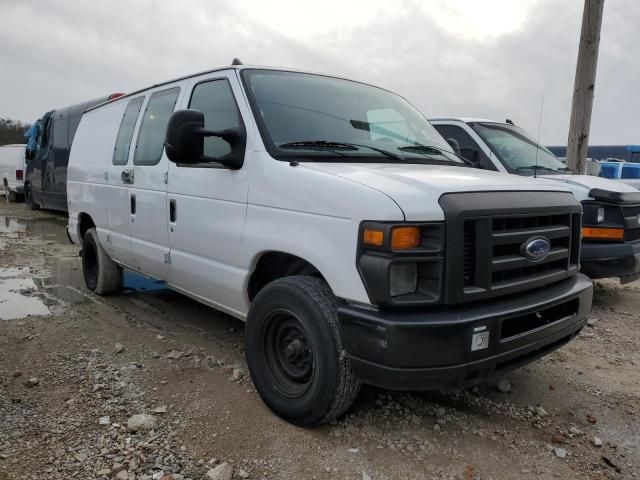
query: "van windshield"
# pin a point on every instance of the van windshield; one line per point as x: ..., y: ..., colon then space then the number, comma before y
x: 317, y: 118
x: 518, y: 152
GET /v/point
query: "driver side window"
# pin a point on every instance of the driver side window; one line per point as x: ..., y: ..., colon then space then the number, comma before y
x: 216, y: 101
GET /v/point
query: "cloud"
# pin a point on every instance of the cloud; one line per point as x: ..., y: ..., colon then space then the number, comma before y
x: 447, y: 58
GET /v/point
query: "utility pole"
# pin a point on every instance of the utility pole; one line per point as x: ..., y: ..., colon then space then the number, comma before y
x: 584, y: 85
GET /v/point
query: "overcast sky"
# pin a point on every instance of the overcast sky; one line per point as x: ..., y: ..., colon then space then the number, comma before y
x: 489, y: 58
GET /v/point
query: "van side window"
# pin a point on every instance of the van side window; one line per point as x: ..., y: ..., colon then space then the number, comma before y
x: 216, y: 101
x: 61, y: 131
x: 150, y: 142
x: 125, y: 132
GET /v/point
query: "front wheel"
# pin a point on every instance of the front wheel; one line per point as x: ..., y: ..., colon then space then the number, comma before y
x: 101, y: 274
x: 295, y: 351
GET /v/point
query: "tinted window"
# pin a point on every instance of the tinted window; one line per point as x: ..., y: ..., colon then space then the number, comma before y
x: 467, y: 145
x: 125, y: 133
x: 215, y: 99
x: 154, y: 125
x: 61, y: 131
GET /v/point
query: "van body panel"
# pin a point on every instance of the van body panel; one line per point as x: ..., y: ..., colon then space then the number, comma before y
x: 12, y: 160
x: 210, y: 208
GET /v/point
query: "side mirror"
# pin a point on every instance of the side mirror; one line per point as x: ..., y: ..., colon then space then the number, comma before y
x: 184, y: 140
x: 470, y: 154
x: 455, y: 145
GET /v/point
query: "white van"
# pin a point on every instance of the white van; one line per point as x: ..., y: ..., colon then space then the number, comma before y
x: 611, y: 221
x: 328, y: 214
x: 12, y: 165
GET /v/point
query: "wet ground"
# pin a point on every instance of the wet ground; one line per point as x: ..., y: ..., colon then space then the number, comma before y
x: 68, y: 359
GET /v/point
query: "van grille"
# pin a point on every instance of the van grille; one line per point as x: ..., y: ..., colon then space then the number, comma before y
x: 632, y: 230
x: 503, y: 266
x: 486, y: 235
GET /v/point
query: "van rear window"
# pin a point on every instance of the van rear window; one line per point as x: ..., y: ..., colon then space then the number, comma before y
x: 125, y: 133
x: 150, y: 142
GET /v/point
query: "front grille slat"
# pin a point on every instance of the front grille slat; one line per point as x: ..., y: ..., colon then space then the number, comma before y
x: 503, y: 238
x: 510, y: 262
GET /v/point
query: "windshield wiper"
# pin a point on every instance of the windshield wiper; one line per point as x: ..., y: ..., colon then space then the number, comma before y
x: 319, y: 144
x: 326, y: 145
x: 426, y: 149
x: 421, y: 149
x: 538, y: 167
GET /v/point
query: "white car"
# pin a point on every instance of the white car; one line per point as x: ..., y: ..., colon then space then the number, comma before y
x: 611, y: 221
x: 12, y: 166
x: 327, y: 214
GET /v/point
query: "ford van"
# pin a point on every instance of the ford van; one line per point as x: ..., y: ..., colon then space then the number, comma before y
x: 330, y: 216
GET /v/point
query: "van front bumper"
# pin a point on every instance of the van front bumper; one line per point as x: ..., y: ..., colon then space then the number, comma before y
x: 438, y: 348
x: 603, y: 260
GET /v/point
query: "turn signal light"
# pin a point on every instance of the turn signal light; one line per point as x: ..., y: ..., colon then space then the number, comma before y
x: 373, y: 237
x: 603, y: 233
x: 404, y: 238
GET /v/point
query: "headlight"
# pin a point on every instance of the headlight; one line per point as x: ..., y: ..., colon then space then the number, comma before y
x: 602, y: 221
x: 401, y: 263
x: 403, y: 278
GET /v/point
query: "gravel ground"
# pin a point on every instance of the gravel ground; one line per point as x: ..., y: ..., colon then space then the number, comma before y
x: 75, y: 368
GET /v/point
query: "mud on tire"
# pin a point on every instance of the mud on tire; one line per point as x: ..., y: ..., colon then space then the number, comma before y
x: 101, y: 274
x: 295, y: 351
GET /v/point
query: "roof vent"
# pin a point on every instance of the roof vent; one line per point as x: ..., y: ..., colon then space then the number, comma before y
x: 236, y: 61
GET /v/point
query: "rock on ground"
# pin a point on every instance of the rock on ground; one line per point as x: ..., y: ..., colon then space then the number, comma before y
x: 224, y: 471
x: 141, y: 422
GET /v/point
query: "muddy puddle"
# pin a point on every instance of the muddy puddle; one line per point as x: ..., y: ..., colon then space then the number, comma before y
x: 22, y: 293
x: 49, y: 228
x: 17, y: 299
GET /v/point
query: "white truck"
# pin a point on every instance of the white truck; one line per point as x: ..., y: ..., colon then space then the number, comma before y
x: 611, y: 221
x: 12, y: 166
x: 328, y: 215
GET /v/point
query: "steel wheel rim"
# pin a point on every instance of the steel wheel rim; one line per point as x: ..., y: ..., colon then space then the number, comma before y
x: 288, y: 353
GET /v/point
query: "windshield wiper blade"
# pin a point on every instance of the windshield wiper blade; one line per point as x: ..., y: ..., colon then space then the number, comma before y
x: 319, y: 144
x: 420, y: 149
x: 327, y: 145
x: 426, y: 149
x: 534, y: 167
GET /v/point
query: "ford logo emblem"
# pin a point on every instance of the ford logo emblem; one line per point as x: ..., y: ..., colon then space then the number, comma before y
x: 536, y: 249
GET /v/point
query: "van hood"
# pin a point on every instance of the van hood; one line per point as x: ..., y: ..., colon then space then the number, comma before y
x: 417, y: 188
x: 581, y: 185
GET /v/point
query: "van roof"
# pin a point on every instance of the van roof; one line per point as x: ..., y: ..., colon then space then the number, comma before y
x: 464, y: 119
x: 220, y: 69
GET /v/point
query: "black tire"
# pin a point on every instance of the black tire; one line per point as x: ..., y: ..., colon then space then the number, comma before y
x: 28, y: 199
x: 101, y: 274
x: 12, y: 196
x: 295, y: 351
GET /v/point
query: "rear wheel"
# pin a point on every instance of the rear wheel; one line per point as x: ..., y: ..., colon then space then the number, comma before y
x: 295, y: 352
x: 11, y: 196
x: 101, y: 274
x: 28, y: 198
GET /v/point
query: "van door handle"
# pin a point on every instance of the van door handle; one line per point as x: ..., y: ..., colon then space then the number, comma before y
x: 173, y: 211
x: 132, y: 200
x: 127, y: 176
